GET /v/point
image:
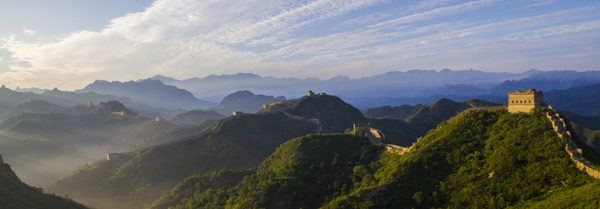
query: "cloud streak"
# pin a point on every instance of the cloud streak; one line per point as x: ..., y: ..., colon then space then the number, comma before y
x: 310, y: 38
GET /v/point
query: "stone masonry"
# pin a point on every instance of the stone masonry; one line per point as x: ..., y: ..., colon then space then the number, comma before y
x: 524, y: 101
x: 575, y: 153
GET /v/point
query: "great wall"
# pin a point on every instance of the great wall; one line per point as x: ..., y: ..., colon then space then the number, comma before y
x: 524, y: 101
x: 114, y: 155
x: 575, y: 153
x: 521, y: 99
x: 375, y: 137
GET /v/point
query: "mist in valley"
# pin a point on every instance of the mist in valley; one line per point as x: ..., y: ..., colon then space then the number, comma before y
x: 43, y: 147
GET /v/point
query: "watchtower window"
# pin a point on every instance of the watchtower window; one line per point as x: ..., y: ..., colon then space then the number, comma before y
x: 529, y: 101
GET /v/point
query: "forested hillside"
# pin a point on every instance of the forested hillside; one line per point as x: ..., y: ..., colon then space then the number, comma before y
x: 334, y: 114
x: 402, y: 125
x: 480, y: 159
x: 138, y: 178
x: 586, y: 128
x: 442, y: 107
x: 17, y: 195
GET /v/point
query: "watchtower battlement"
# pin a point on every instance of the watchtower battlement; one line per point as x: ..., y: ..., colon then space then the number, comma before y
x: 524, y: 101
x: 312, y: 94
x: 112, y: 156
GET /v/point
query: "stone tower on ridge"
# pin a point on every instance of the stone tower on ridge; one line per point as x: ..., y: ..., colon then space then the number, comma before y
x: 524, y: 101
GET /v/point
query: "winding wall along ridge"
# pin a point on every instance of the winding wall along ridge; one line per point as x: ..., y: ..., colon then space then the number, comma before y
x: 110, y: 156
x: 575, y: 153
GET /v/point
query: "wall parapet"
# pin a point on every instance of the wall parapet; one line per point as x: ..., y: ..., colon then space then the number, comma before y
x: 376, y: 137
x: 575, y: 153
x: 525, y: 92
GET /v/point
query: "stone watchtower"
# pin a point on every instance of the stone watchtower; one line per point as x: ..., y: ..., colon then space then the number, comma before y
x: 524, y: 101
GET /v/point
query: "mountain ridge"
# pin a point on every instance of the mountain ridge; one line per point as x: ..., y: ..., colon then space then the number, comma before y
x: 149, y: 91
x: 395, y: 87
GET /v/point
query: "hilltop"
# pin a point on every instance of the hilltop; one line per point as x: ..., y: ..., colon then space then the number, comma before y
x: 195, y: 117
x: 480, y: 159
x: 246, y: 101
x: 335, y: 114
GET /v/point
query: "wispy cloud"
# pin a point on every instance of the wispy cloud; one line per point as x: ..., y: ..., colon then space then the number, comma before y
x: 27, y: 31
x: 536, y: 3
x: 292, y: 18
x: 436, y: 13
x: 186, y: 38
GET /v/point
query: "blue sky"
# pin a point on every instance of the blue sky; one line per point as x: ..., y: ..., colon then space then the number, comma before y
x: 70, y: 43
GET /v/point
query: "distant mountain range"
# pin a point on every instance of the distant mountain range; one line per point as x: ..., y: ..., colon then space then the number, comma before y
x: 391, y: 84
x: 9, y: 99
x: 149, y: 91
x: 392, y: 88
x: 584, y: 100
x: 545, y: 81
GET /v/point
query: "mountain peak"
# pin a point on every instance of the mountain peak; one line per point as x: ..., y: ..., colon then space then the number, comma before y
x: 334, y: 114
x: 151, y: 91
x: 114, y: 106
x: 247, y: 101
x: 164, y: 79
